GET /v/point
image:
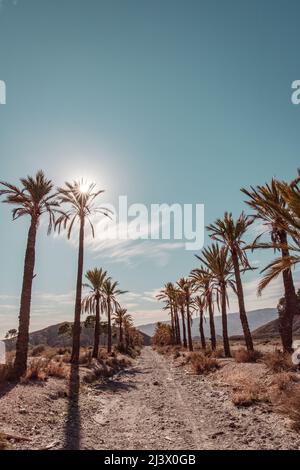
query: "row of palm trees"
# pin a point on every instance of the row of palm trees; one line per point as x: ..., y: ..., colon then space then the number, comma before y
x: 276, y: 206
x: 102, y: 298
x: 75, y: 203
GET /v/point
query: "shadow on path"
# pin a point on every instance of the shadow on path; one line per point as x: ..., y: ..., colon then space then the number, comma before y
x: 73, y: 424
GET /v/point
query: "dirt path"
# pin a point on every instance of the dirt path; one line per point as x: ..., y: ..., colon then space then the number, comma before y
x: 158, y: 406
x: 152, y: 405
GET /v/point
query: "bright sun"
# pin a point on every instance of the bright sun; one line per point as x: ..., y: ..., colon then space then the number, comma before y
x: 84, y: 187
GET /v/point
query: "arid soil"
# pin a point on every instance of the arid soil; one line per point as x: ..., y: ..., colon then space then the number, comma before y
x: 152, y: 405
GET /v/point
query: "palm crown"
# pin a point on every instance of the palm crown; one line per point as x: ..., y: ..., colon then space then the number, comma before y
x: 80, y: 205
x: 34, y: 198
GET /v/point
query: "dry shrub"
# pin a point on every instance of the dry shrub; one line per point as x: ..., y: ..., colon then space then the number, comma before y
x: 38, y: 350
x: 42, y: 368
x: 285, y: 380
x: 248, y: 393
x: 36, y: 370
x: 62, y: 351
x: 278, y: 361
x: 243, y: 355
x: 6, y: 373
x: 85, y: 357
x: 58, y: 369
x: 201, y: 364
x: 290, y: 406
x: 102, y: 355
x: 3, y: 442
x: 219, y: 352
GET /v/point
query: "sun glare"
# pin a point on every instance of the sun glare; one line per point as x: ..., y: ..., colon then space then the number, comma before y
x: 84, y: 187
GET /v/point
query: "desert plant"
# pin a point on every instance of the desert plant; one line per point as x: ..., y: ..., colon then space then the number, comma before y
x: 202, y: 364
x: 93, y: 302
x: 33, y: 199
x: 230, y: 232
x: 79, y: 199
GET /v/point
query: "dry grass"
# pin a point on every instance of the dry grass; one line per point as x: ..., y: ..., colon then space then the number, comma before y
x: 201, y: 364
x: 42, y: 368
x: 278, y: 361
x: 4, y: 445
x: 290, y: 406
x: 247, y: 393
x: 243, y: 355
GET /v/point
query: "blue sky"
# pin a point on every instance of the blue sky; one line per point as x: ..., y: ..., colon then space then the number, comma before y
x: 163, y: 101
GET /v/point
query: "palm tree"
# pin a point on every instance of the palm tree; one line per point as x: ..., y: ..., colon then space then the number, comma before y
x: 216, y: 259
x: 168, y: 295
x: 200, y: 304
x: 34, y: 198
x: 120, y: 317
x: 110, y: 292
x: 92, y: 302
x: 79, y: 199
x: 186, y: 288
x: 128, y: 326
x: 202, y: 279
x: 270, y: 208
x: 230, y: 232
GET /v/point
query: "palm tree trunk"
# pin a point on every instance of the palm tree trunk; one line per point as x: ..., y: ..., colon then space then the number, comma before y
x: 108, y: 326
x: 97, y: 329
x: 183, y: 327
x: 178, y: 335
x: 224, y: 321
x: 212, y: 324
x: 121, y: 336
x: 77, y: 325
x: 287, y: 317
x: 240, y: 296
x: 188, y: 316
x: 172, y: 324
x: 20, y: 363
x: 201, y: 330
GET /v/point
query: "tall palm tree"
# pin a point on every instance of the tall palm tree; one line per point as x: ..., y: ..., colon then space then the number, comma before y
x: 33, y: 199
x: 270, y: 208
x: 79, y: 199
x: 216, y: 259
x: 186, y: 288
x: 169, y: 296
x: 230, y: 232
x: 93, y: 300
x: 120, y: 317
x: 127, y: 325
x: 202, y: 279
x: 110, y: 292
x: 200, y: 304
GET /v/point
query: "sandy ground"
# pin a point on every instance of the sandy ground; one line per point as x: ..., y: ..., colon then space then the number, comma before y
x: 153, y: 405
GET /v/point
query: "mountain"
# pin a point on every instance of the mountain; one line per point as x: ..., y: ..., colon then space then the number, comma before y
x: 271, y: 329
x: 256, y: 318
x: 49, y: 336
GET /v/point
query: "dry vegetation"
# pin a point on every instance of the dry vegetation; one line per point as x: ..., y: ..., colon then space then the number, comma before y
x: 259, y: 377
x: 45, y: 362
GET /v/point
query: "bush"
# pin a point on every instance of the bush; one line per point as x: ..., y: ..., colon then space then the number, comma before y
x: 42, y: 368
x: 248, y: 392
x: 38, y: 350
x: 278, y: 361
x: 3, y: 442
x: 246, y: 396
x: 6, y: 373
x: 243, y: 355
x: 290, y: 406
x: 36, y: 370
x: 201, y: 364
